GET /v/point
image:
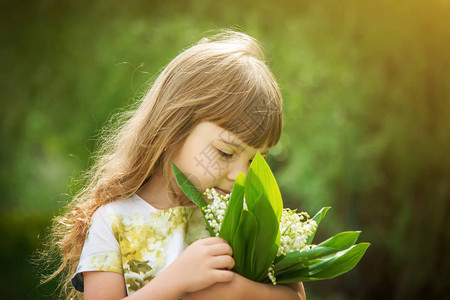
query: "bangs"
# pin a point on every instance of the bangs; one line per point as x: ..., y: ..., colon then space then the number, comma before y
x: 256, y: 120
x: 258, y: 126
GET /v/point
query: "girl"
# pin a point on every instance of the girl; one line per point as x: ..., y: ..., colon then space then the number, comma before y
x: 126, y: 233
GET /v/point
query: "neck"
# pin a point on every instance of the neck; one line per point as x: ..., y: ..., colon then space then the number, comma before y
x: 156, y: 192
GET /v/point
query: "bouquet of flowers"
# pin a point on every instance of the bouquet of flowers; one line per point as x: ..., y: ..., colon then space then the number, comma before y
x: 271, y: 243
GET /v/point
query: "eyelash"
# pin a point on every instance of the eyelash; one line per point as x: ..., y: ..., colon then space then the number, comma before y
x: 224, y: 154
x: 229, y: 156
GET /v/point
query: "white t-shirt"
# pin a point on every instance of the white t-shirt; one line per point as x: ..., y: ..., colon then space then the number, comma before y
x: 133, y: 238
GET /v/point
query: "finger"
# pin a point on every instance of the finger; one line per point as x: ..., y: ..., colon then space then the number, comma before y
x: 213, y: 240
x: 220, y: 249
x: 222, y: 275
x: 223, y: 262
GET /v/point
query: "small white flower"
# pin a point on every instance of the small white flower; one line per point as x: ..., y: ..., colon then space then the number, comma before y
x: 271, y: 274
x: 295, y: 228
x: 215, y: 210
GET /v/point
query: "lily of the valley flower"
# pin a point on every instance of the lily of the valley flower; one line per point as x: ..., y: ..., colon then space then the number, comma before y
x: 295, y: 228
x: 215, y: 210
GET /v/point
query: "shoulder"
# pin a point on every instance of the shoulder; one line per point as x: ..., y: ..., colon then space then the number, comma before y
x: 125, y: 207
x: 132, y: 203
x: 110, y: 214
x: 133, y: 214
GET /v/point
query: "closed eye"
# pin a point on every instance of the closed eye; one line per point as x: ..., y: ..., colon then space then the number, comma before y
x: 224, y: 154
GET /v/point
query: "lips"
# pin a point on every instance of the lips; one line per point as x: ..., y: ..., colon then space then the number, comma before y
x: 223, y: 192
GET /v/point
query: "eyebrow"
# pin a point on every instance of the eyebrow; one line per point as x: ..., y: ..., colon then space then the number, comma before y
x: 239, y: 146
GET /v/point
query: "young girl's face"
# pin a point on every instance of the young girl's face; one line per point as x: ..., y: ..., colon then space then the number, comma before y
x: 213, y: 157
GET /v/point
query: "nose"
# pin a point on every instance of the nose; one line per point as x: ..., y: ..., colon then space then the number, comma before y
x: 237, y: 167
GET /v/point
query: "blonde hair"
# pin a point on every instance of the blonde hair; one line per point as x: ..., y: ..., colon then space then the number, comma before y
x: 224, y: 80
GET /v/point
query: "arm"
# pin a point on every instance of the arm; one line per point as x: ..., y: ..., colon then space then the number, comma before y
x: 110, y: 285
x: 202, y: 264
x: 243, y: 288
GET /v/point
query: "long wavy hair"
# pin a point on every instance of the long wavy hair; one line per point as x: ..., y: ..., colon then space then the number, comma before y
x: 223, y: 79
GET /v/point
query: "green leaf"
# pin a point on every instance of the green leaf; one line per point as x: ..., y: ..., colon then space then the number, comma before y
x: 300, y: 259
x: 263, y: 198
x: 341, y: 240
x: 233, y: 213
x: 188, y: 188
x: 261, y: 184
x: 260, y: 180
x: 321, y: 214
x: 250, y: 226
x: 266, y: 237
x: 330, y: 267
x: 318, y: 218
x: 254, y: 243
x: 192, y: 193
x: 345, y: 262
x: 244, y: 241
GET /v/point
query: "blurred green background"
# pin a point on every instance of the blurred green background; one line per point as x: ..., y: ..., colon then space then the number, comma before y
x: 366, y: 86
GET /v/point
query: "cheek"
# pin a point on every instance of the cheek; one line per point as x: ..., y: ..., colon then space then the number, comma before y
x: 191, y: 168
x: 200, y: 163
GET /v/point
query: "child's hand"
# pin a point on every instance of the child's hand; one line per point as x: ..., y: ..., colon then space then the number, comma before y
x: 217, y: 291
x: 243, y: 288
x: 203, y: 263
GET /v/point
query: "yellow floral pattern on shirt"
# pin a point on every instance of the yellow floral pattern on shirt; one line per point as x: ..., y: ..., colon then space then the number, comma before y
x: 107, y: 262
x: 143, y: 242
x: 143, y: 237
